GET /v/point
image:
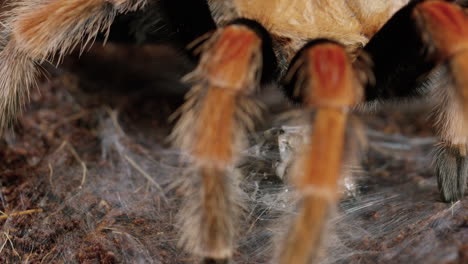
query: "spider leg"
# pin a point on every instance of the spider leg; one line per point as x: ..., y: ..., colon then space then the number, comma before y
x: 36, y: 31
x: 218, y: 111
x: 323, y: 78
x: 423, y: 50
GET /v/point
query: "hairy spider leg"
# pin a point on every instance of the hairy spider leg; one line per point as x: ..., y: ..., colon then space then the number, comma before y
x: 218, y: 112
x: 37, y: 31
x: 325, y: 81
x: 422, y: 51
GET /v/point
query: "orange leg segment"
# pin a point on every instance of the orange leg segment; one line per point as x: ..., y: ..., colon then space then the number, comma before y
x: 446, y: 26
x: 211, y: 129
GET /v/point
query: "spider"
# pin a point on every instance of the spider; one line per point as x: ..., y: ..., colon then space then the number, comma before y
x: 330, y: 56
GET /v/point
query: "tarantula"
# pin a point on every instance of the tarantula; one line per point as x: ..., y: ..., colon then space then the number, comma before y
x: 329, y: 55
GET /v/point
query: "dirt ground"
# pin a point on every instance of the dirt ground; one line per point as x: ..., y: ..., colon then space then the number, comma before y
x: 88, y: 176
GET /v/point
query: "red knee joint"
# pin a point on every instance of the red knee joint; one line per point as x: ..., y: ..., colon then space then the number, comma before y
x: 446, y: 24
x: 234, y: 59
x: 332, y: 81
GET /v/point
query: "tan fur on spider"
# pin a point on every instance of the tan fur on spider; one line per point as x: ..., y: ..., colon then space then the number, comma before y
x: 351, y: 23
x: 41, y: 28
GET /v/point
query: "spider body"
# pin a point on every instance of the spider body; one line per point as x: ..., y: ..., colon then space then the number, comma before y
x: 293, y: 24
x: 330, y: 56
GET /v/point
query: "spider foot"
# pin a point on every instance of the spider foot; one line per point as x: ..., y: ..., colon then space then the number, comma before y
x: 451, y: 164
